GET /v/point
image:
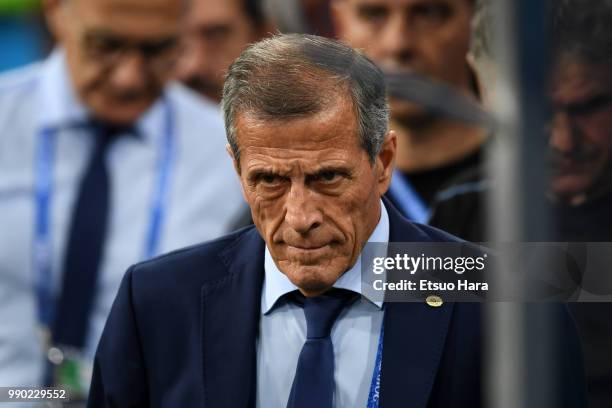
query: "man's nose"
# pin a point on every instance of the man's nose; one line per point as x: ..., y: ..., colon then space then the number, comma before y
x: 190, y: 62
x: 562, y: 133
x: 130, y: 72
x: 398, y: 42
x: 302, y: 213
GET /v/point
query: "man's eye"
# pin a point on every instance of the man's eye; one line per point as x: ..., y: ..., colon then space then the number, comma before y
x: 373, y: 14
x: 102, y: 45
x: 590, y: 106
x: 269, y: 179
x: 155, y: 49
x: 329, y: 176
x: 432, y: 12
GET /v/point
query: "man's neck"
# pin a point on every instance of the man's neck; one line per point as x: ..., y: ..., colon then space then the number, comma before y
x: 435, y: 145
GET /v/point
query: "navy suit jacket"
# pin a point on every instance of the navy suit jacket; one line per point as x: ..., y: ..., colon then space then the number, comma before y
x: 182, y: 333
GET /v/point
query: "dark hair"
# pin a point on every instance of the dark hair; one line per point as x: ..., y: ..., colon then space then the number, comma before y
x: 578, y: 28
x: 253, y: 10
x: 295, y: 75
x: 583, y: 29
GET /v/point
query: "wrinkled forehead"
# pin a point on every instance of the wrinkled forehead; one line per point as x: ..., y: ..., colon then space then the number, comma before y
x: 572, y: 77
x: 298, y: 163
x: 216, y: 10
x: 139, y: 19
x: 333, y: 125
x: 404, y: 4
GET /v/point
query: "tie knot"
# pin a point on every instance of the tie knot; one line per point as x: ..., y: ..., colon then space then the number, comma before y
x: 106, y: 133
x: 322, y: 311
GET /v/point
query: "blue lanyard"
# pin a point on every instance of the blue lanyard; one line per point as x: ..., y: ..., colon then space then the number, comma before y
x: 162, y: 190
x: 407, y: 198
x: 42, y: 249
x: 42, y: 235
x: 374, y: 395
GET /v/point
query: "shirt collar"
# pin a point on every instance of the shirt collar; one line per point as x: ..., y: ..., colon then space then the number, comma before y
x: 61, y: 105
x: 63, y: 108
x: 276, y: 283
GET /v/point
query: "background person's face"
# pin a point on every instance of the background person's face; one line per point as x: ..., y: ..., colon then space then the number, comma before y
x: 313, y: 193
x: 216, y: 32
x: 119, y: 52
x: 427, y: 37
x: 580, y: 134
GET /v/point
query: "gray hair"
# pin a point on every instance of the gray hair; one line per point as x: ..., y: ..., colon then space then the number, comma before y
x: 580, y: 28
x: 482, y: 27
x: 290, y: 76
x: 583, y: 29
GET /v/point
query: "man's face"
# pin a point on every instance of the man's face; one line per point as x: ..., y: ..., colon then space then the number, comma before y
x: 119, y: 52
x: 580, y: 134
x: 426, y: 37
x: 314, y: 194
x: 217, y: 31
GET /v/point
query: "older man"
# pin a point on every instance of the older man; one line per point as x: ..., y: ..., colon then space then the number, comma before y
x: 267, y: 317
x: 102, y: 163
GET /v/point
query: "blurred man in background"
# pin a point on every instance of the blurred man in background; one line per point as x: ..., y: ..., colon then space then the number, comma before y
x: 102, y: 163
x: 580, y: 132
x: 215, y: 34
x: 580, y: 154
x: 429, y: 38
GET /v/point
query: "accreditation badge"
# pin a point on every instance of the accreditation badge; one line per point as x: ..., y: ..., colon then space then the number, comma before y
x: 71, y: 371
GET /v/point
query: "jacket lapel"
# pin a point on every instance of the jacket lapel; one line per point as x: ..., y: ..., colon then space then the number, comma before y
x: 229, y: 325
x: 414, y: 337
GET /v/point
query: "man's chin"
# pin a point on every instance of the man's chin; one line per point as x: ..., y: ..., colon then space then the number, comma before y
x: 410, y: 114
x: 312, y: 280
x: 403, y: 108
x: 314, y: 290
x: 569, y: 188
x: 121, y: 113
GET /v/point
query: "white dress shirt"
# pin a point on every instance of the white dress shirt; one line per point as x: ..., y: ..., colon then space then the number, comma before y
x: 282, y: 331
x: 204, y: 196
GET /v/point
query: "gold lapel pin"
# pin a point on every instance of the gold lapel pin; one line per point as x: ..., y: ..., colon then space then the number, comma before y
x: 434, y: 301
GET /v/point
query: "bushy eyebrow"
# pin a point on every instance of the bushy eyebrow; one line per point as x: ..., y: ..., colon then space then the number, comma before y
x: 590, y: 104
x: 257, y: 174
x: 342, y: 170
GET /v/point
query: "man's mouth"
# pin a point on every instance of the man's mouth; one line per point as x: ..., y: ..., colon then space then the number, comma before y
x: 566, y: 168
x: 307, y: 255
x: 307, y: 247
x: 307, y: 250
x: 310, y: 249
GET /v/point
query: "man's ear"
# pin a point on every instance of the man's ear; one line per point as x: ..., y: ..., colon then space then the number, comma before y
x: 385, y: 162
x: 54, y: 14
x: 236, y: 164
